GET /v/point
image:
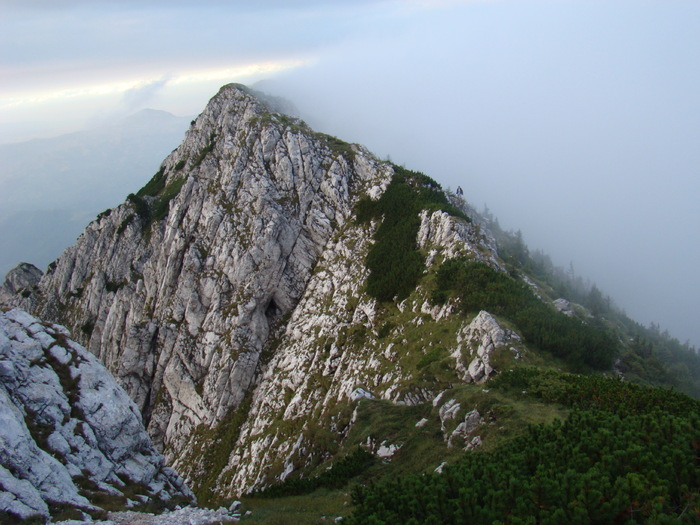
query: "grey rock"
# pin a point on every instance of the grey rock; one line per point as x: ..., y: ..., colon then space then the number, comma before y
x: 20, y: 281
x: 466, y: 428
x: 180, y: 309
x: 448, y: 411
x: 244, y: 246
x: 564, y: 306
x: 476, y: 342
x: 66, y: 425
x: 360, y: 393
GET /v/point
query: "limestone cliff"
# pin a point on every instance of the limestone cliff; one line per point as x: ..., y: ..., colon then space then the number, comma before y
x: 177, y: 290
x: 228, y: 298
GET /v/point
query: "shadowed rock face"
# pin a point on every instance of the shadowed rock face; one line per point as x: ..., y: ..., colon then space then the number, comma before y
x: 69, y: 433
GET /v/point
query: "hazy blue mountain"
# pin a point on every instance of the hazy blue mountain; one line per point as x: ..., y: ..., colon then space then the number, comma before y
x: 50, y: 188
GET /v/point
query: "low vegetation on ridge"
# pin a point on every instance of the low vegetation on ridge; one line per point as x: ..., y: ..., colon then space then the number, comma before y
x: 394, y: 262
x: 558, y: 447
x: 477, y: 286
x: 620, y: 457
x: 152, y: 202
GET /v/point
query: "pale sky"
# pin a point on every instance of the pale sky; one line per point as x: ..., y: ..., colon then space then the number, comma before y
x: 576, y: 121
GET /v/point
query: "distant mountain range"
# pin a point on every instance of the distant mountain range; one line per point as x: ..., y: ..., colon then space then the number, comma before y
x: 50, y: 188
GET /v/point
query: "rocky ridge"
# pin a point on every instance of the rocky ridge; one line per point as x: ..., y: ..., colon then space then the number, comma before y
x: 476, y: 342
x: 71, y: 437
x: 228, y: 298
x: 177, y: 290
x: 334, y: 344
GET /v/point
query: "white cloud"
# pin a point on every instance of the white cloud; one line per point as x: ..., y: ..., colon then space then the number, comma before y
x: 141, y: 94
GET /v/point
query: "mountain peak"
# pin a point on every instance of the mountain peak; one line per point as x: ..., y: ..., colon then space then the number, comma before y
x: 274, y: 299
x: 180, y: 289
x: 147, y: 116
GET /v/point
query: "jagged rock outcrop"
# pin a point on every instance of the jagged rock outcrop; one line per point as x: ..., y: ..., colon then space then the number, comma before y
x: 178, y: 289
x: 443, y: 235
x: 71, y: 437
x: 20, y: 282
x: 333, y: 347
x: 462, y: 434
x: 476, y: 343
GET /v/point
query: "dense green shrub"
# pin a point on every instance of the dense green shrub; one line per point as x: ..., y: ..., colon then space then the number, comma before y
x: 154, y: 186
x: 595, y: 468
x: 162, y: 204
x: 140, y: 206
x: 156, y: 208
x: 394, y: 262
x: 594, y: 392
x: 630, y: 457
x: 647, y: 354
x: 479, y: 287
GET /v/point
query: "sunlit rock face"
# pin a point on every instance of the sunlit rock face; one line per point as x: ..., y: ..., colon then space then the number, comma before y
x: 69, y: 433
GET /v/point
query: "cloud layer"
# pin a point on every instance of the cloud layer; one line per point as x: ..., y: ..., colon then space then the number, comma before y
x: 575, y: 121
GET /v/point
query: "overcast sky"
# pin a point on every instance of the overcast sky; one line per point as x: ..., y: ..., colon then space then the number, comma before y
x: 577, y: 122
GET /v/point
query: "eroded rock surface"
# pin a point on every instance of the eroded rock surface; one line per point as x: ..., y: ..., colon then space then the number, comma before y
x: 178, y: 290
x: 476, y: 343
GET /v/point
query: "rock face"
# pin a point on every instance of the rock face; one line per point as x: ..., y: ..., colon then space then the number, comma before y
x: 69, y: 433
x: 177, y: 290
x: 20, y: 281
x: 228, y: 298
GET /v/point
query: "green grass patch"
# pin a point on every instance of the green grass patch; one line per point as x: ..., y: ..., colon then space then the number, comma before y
x: 217, y: 444
x: 161, y: 205
x: 152, y: 202
x: 154, y: 186
x: 321, y: 506
x: 337, y: 476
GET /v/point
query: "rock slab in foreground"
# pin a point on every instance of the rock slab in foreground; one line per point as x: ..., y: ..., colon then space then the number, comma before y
x: 69, y: 435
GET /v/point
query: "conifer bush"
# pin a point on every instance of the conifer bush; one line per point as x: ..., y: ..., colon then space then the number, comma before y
x: 394, y: 261
x: 477, y: 286
x: 633, y: 460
